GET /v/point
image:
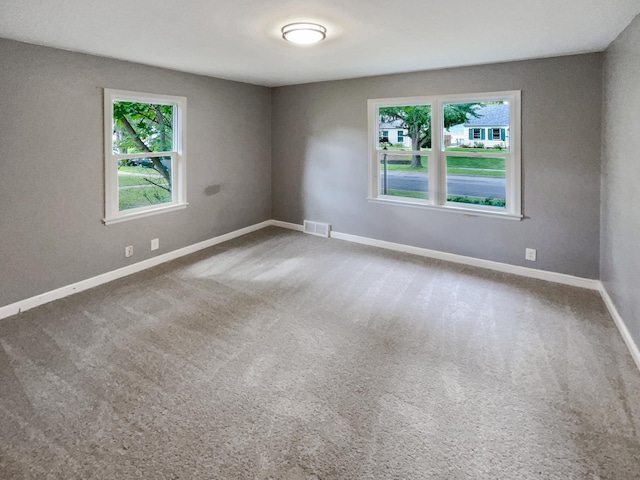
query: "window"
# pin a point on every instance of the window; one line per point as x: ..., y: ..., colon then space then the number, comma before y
x: 384, y: 136
x: 457, y: 161
x: 400, y: 136
x: 496, y: 134
x: 476, y: 134
x: 145, y: 154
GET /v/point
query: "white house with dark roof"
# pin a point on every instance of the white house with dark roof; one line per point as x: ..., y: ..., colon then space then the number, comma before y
x: 490, y: 126
x: 393, y: 133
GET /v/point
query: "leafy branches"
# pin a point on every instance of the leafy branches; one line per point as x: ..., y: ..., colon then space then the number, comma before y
x: 144, y: 128
x: 416, y: 119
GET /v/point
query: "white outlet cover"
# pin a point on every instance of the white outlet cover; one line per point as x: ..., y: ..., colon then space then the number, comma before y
x: 155, y: 244
x: 530, y: 254
x: 128, y: 251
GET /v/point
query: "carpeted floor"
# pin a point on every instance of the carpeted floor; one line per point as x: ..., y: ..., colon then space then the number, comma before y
x: 280, y: 355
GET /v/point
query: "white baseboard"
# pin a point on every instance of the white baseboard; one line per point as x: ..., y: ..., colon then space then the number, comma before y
x: 82, y: 285
x: 28, y: 303
x: 622, y: 327
x: 500, y: 267
x: 474, y: 262
x: 290, y: 226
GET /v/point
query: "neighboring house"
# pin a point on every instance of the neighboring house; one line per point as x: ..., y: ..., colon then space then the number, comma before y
x: 491, y: 126
x: 393, y: 133
x: 455, y: 135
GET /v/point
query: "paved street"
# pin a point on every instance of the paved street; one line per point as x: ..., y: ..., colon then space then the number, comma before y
x: 456, y: 184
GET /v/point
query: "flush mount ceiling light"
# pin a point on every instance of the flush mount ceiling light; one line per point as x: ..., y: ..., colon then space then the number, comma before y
x: 304, y: 33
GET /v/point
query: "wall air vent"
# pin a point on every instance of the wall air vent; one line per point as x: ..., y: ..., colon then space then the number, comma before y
x: 317, y: 228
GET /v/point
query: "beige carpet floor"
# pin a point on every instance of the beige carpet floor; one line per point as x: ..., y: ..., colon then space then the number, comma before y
x: 280, y: 355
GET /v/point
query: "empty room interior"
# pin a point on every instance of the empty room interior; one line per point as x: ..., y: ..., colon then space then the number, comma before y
x: 320, y: 240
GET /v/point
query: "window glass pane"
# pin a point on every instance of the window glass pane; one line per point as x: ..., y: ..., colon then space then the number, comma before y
x: 478, y: 126
x: 144, y: 181
x: 142, y: 127
x: 406, y: 127
x: 403, y: 175
x: 474, y: 180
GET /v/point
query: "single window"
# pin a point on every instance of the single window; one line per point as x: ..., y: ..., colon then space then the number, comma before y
x: 469, y: 169
x: 384, y: 136
x: 145, y: 154
x: 400, y: 136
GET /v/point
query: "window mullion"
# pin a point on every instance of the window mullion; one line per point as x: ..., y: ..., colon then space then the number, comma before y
x: 437, y: 189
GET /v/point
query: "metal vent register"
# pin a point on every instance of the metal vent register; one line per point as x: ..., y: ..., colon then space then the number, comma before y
x: 317, y: 228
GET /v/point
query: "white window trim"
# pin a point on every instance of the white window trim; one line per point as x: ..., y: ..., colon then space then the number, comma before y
x: 178, y: 157
x: 437, y: 156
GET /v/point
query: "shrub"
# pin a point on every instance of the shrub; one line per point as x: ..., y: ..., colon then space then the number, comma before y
x: 493, y: 202
x: 478, y: 145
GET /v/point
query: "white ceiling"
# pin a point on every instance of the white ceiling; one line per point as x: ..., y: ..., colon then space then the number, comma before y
x: 241, y: 40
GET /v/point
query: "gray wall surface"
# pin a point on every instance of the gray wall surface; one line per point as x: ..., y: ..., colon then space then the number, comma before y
x: 320, y: 162
x: 620, y: 225
x: 52, y: 180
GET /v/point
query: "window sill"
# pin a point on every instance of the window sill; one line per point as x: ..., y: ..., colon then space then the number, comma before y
x: 146, y: 213
x: 470, y: 212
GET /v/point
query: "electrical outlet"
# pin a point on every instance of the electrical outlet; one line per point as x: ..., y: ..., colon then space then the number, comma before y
x: 128, y: 251
x: 530, y: 254
x: 155, y: 244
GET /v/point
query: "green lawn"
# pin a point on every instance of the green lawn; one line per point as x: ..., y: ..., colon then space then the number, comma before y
x: 144, y: 170
x: 399, y: 147
x: 407, y: 194
x: 404, y: 168
x: 472, y: 166
x: 141, y: 197
x: 130, y: 180
x: 471, y: 172
x: 137, y: 191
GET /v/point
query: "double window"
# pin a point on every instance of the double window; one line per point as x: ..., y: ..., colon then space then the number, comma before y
x: 145, y: 154
x: 464, y: 154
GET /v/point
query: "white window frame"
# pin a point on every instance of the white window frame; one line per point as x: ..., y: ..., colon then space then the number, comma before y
x: 437, y: 156
x: 178, y: 156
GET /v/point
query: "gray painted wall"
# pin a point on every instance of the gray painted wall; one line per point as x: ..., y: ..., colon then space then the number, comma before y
x: 312, y: 137
x: 319, y: 162
x: 51, y: 154
x: 620, y: 225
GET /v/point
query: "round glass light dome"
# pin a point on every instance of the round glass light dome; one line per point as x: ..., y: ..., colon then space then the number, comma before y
x: 304, y: 33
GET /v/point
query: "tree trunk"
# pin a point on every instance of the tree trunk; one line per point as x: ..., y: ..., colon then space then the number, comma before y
x: 157, y: 164
x: 416, y: 160
x: 160, y: 121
